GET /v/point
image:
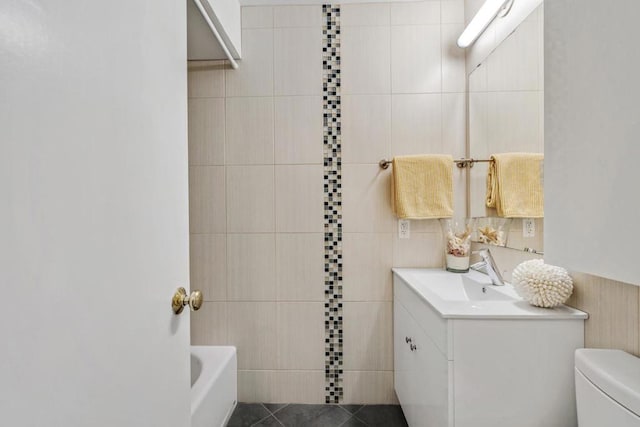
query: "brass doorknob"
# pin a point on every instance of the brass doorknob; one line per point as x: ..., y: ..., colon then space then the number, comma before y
x: 180, y: 300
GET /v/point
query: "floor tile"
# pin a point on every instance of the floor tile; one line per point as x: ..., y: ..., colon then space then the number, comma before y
x: 353, y: 422
x: 270, y: 421
x: 352, y: 409
x: 312, y: 416
x: 274, y: 407
x: 247, y: 414
x: 382, y: 416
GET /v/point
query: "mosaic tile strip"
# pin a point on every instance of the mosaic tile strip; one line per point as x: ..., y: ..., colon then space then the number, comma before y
x: 332, y: 202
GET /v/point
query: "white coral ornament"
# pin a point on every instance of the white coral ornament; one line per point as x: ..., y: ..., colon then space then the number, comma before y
x: 541, y: 284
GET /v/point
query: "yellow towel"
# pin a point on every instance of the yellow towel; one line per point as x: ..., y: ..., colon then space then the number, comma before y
x: 422, y: 186
x: 514, y: 185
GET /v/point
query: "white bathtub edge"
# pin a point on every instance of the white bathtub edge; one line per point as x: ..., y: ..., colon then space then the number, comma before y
x: 214, y: 393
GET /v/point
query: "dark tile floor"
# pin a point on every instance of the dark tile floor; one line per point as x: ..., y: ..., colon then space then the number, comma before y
x: 294, y: 415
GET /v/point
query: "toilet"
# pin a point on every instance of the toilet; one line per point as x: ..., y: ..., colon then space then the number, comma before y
x: 607, y: 388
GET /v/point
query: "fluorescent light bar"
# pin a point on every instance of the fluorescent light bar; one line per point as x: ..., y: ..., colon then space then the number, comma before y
x: 480, y: 22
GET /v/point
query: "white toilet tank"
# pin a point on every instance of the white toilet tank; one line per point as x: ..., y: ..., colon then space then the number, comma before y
x: 607, y: 388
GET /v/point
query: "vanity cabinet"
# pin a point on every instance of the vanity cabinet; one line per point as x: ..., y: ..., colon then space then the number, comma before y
x: 470, y: 369
x: 421, y: 374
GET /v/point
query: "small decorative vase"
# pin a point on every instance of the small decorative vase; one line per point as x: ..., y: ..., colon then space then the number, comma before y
x: 541, y: 284
x: 457, y: 243
x: 492, y: 231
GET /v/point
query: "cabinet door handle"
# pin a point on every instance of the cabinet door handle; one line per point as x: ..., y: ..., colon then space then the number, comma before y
x: 413, y: 347
x: 407, y: 340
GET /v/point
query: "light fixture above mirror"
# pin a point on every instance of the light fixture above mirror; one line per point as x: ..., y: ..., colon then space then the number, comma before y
x: 486, y: 14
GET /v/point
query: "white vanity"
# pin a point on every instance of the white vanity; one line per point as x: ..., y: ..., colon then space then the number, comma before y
x: 470, y: 354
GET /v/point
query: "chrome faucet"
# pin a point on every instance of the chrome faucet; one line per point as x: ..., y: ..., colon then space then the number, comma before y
x: 488, y: 266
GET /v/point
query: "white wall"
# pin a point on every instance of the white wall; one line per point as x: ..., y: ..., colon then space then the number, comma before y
x: 93, y: 213
x: 592, y: 130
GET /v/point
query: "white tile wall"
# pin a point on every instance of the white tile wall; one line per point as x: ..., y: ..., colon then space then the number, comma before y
x: 249, y: 124
x: 417, y: 124
x: 209, y: 324
x: 415, y: 13
x: 299, y: 198
x: 206, y: 79
x: 298, y: 61
x: 372, y: 14
x: 515, y: 64
x: 300, y: 386
x: 255, y: 76
x: 257, y: 17
x: 299, y: 274
x: 257, y: 204
x: 301, y: 335
x: 252, y: 328
x: 367, y: 274
x: 361, y: 387
x: 281, y: 386
x: 453, y: 61
x: 478, y: 133
x: 206, y: 131
x: 452, y: 11
x: 366, y: 128
x: 512, y: 116
x: 366, y: 60
x: 251, y: 267
x: 207, y: 199
x: 208, y: 253
x: 366, y: 199
x: 368, y: 329
x: 298, y: 128
x: 257, y: 386
x: 478, y: 80
x: 298, y: 16
x: 425, y: 225
x: 422, y: 250
x: 250, y: 199
x: 454, y: 123
x: 416, y: 59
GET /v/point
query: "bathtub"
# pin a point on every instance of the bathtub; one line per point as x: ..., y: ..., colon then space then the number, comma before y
x: 213, y: 385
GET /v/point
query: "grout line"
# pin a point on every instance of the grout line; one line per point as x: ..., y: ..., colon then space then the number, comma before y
x: 280, y: 409
x: 354, y: 416
x: 205, y: 233
x: 273, y: 414
x: 442, y: 142
x: 278, y: 333
x: 347, y: 420
x: 265, y: 418
x: 291, y: 95
x: 262, y: 404
x: 359, y: 409
x: 345, y: 410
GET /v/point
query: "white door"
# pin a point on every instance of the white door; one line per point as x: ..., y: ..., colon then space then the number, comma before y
x: 93, y: 213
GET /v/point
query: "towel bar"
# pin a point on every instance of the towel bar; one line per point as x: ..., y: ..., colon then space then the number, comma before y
x: 461, y: 163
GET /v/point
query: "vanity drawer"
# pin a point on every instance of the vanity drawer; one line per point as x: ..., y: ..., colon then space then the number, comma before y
x: 430, y: 321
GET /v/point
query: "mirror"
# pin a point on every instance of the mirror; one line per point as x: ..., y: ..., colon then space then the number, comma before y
x: 506, y: 114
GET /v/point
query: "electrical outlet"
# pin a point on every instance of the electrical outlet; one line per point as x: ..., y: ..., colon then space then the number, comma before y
x: 404, y: 228
x: 528, y: 227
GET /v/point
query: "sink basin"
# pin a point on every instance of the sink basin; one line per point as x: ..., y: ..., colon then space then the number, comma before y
x: 461, y: 288
x: 472, y: 295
